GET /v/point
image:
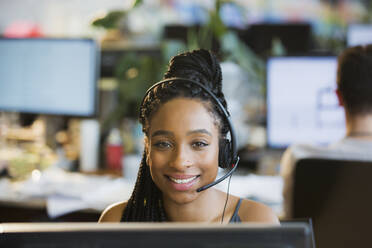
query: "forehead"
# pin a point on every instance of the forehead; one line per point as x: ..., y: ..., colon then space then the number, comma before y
x: 183, y: 115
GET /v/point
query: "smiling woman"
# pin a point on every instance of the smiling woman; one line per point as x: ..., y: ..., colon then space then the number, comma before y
x: 185, y: 128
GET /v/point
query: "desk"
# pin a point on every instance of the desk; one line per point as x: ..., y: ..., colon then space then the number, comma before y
x: 64, y: 196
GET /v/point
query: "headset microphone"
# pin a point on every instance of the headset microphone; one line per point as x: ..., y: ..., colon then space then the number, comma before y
x: 232, y: 157
x: 220, y: 179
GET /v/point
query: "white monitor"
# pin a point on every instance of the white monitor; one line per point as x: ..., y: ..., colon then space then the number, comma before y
x: 49, y: 76
x: 359, y: 34
x: 302, y: 106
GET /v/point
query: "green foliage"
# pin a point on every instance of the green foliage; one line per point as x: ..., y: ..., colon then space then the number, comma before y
x: 135, y: 74
x: 236, y: 51
x: 215, y: 23
x: 112, y: 19
x: 137, y: 3
x: 277, y: 48
x: 109, y: 21
x: 199, y: 38
x: 204, y: 36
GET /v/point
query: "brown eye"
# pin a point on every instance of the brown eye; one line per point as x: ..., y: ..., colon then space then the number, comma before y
x: 199, y: 144
x: 163, y: 145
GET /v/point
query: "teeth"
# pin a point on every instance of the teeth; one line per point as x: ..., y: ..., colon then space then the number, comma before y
x: 182, y: 180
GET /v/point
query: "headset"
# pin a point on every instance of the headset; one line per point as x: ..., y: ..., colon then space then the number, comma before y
x: 227, y: 148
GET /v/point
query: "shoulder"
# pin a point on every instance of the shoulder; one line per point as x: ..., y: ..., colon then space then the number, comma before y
x: 113, y: 213
x: 252, y: 211
x: 296, y: 152
x: 301, y: 150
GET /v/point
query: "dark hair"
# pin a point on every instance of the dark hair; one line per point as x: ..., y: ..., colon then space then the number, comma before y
x: 354, y: 79
x: 201, y: 66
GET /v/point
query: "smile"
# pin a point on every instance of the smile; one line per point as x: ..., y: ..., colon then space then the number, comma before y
x: 182, y: 181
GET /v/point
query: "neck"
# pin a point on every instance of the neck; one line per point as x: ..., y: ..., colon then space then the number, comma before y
x: 200, y: 209
x: 359, y: 126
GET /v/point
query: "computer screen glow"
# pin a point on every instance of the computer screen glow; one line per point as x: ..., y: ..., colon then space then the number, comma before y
x: 302, y: 106
x: 359, y: 34
x: 50, y: 76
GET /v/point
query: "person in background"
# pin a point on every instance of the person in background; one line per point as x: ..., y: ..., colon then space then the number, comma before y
x: 183, y: 131
x: 354, y: 93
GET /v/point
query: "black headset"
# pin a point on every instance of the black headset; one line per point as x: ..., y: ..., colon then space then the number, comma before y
x: 227, y: 148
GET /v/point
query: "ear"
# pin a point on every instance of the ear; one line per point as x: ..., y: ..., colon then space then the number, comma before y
x: 339, y: 97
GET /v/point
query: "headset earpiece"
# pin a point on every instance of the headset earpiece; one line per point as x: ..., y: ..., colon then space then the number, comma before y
x: 224, y: 153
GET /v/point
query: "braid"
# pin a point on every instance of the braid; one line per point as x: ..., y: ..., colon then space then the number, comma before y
x: 144, y: 204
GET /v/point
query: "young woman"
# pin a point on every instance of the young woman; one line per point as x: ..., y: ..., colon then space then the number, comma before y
x: 183, y: 132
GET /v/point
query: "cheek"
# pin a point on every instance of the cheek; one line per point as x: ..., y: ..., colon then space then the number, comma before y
x: 209, y: 160
x: 156, y: 161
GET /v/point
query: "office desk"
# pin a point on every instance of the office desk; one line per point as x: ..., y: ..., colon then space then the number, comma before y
x: 63, y: 196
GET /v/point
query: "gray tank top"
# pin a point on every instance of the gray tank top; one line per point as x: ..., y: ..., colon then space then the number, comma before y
x: 235, y: 218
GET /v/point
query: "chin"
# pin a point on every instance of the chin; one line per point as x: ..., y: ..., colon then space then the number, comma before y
x: 182, y: 198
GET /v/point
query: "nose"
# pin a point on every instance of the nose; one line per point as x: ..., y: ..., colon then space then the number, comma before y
x: 181, y: 158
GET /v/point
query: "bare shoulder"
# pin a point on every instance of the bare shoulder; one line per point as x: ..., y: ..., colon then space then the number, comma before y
x: 113, y: 213
x: 252, y: 211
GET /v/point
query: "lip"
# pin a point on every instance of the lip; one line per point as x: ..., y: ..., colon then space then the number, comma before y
x: 182, y: 186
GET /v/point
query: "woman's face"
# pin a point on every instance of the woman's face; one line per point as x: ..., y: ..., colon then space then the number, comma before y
x: 182, y: 149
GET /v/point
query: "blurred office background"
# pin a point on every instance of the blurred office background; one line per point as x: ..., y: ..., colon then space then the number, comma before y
x: 55, y: 162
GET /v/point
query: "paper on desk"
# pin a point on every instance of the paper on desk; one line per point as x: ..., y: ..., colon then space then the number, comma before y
x: 5, y: 189
x: 89, y: 192
x: 66, y: 192
x: 114, y: 191
x: 98, y: 198
x: 58, y: 205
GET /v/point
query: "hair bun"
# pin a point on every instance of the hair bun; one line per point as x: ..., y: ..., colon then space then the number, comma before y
x: 198, y: 65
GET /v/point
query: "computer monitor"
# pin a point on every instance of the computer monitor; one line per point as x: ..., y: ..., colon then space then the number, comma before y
x: 146, y: 235
x: 295, y: 37
x: 302, y: 106
x: 49, y: 76
x: 359, y: 34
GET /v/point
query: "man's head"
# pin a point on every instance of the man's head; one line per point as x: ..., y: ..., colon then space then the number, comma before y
x: 354, y: 80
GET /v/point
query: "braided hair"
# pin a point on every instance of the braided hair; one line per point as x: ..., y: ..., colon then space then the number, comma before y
x: 145, y: 203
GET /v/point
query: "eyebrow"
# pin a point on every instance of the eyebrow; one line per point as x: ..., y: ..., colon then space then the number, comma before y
x: 162, y: 132
x: 167, y: 133
x: 199, y: 131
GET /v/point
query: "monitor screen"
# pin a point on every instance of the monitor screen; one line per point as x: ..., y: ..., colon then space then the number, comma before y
x: 63, y: 235
x: 295, y: 37
x: 48, y: 76
x: 359, y: 34
x: 302, y: 105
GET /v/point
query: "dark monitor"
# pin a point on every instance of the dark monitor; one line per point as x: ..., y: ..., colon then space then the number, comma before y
x: 179, y: 235
x: 49, y: 76
x: 359, y: 34
x: 302, y: 105
x: 295, y: 37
